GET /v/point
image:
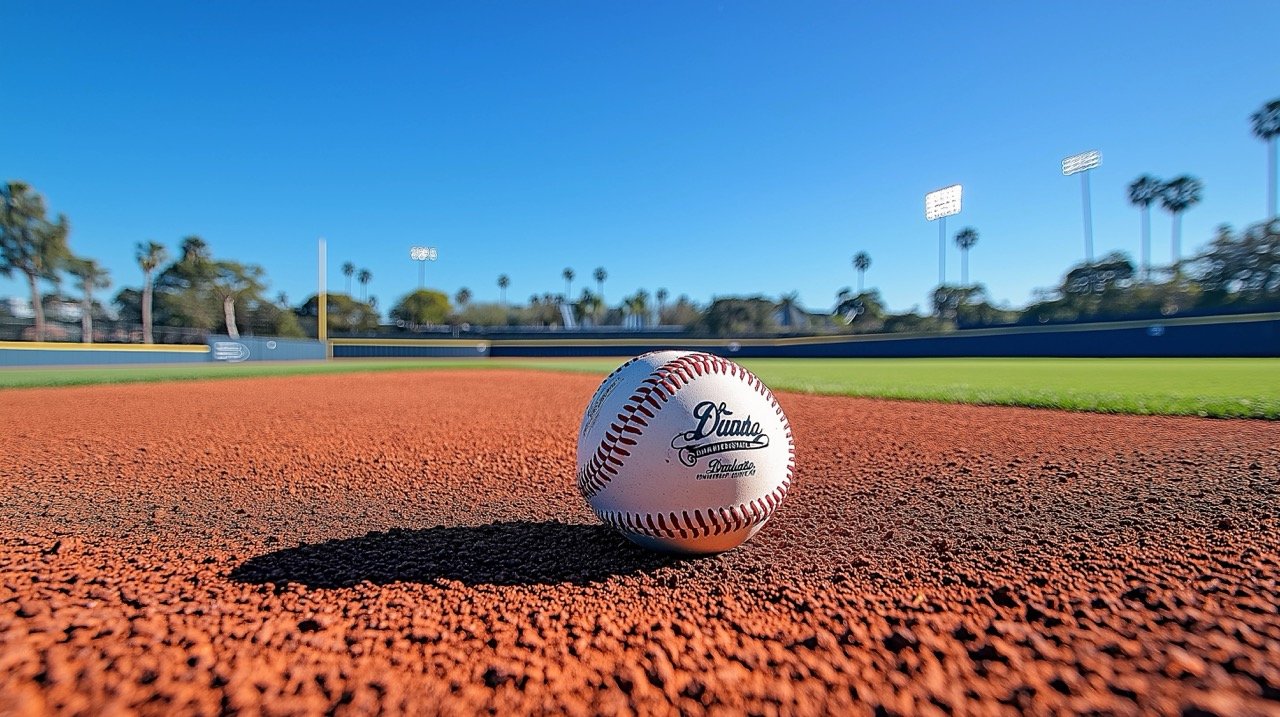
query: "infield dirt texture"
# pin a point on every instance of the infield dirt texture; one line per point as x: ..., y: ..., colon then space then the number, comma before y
x: 414, y: 542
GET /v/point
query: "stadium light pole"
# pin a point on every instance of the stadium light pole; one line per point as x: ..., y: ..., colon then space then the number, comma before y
x: 1081, y: 164
x: 939, y: 205
x: 422, y: 255
x: 322, y: 299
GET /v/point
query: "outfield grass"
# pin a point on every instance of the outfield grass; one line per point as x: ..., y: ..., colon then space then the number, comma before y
x: 1190, y: 387
x: 1245, y: 388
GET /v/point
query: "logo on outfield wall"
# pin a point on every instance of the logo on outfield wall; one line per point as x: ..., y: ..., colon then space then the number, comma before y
x: 231, y: 351
x: 717, y: 432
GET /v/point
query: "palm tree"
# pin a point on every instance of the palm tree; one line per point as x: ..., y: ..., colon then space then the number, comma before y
x: 568, y: 282
x: 965, y: 239
x: 1177, y: 196
x: 150, y: 256
x: 463, y: 297
x: 234, y: 281
x: 30, y: 243
x: 634, y: 307
x: 503, y: 282
x: 195, y: 250
x: 600, y: 275
x: 589, y: 304
x: 642, y: 304
x: 1266, y: 126
x: 861, y: 262
x: 637, y: 306
x: 89, y: 276
x: 1142, y: 192
x: 661, y: 296
x: 282, y: 300
x: 364, y: 276
x: 347, y: 270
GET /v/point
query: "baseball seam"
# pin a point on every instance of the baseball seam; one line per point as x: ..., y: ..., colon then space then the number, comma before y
x: 712, y: 521
x: 629, y: 425
x: 603, y: 465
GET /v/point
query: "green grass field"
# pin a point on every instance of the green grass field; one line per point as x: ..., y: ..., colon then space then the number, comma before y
x: 1224, y: 388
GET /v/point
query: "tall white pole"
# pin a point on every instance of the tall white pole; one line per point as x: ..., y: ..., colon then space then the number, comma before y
x: 1081, y: 164
x: 942, y: 251
x: 322, y: 298
x: 1271, y: 179
x: 1146, y: 243
x: 422, y: 255
x: 938, y: 205
x: 1088, y: 217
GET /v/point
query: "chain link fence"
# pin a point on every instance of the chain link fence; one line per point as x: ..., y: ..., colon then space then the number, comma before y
x: 105, y: 332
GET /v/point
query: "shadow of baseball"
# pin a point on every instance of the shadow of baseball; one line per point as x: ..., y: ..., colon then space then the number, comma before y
x: 515, y: 553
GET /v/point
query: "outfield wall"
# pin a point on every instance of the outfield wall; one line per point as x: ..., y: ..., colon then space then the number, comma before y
x: 409, y: 348
x: 1246, y: 335
x: 49, y: 353
x: 1239, y: 336
x: 1250, y: 335
x: 254, y: 348
x: 222, y: 349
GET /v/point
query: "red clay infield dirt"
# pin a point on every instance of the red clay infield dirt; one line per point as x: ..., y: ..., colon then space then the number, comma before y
x: 414, y: 542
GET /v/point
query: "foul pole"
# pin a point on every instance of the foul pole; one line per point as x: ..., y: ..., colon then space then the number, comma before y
x: 322, y: 299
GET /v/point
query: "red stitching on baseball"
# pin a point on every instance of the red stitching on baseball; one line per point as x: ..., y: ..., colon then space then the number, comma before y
x: 668, y: 379
x: 718, y: 520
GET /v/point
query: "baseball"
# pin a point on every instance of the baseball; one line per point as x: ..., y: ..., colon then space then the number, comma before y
x: 684, y: 452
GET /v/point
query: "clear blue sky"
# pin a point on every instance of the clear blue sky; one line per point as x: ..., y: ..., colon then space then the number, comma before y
x: 706, y: 148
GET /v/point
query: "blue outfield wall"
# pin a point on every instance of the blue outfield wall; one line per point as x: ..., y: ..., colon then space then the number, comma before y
x: 222, y: 349
x: 254, y: 348
x: 1155, y: 340
x: 40, y: 353
x: 1251, y: 335
x: 1255, y: 335
x: 409, y: 348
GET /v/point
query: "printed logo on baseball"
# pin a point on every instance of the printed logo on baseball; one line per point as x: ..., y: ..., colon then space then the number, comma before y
x: 685, y: 452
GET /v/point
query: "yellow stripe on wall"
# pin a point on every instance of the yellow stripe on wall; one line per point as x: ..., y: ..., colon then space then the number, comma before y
x: 460, y: 343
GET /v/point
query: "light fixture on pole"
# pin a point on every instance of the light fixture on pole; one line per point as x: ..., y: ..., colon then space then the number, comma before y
x: 422, y: 255
x: 939, y: 205
x: 1081, y: 164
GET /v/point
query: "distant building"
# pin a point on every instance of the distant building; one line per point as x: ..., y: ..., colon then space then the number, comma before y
x: 566, y: 313
x: 61, y: 310
x: 55, y: 308
x: 18, y: 307
x: 791, y: 317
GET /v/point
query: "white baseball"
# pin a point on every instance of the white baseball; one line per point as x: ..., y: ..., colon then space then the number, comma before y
x: 684, y: 451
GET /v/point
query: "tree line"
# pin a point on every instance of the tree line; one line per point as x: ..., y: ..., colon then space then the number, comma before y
x: 195, y: 289
x: 1236, y: 271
